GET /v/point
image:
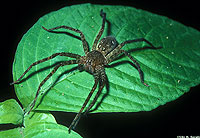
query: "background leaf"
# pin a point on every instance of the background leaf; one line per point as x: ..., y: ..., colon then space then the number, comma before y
x: 11, y: 112
x: 45, y: 125
x: 169, y: 71
x: 12, y: 133
x: 35, y: 124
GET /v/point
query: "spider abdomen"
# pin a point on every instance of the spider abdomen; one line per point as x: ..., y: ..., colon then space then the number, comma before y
x: 93, y: 61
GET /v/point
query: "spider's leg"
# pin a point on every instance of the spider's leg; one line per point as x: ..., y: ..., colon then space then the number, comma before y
x: 113, y: 54
x: 45, y: 59
x: 85, y: 44
x: 102, y: 84
x: 77, y: 117
x: 48, y: 76
x: 135, y: 40
x: 138, y: 67
x: 110, y: 57
x: 103, y: 15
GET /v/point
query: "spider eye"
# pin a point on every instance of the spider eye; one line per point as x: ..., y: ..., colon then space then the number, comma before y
x: 113, y: 42
x: 103, y: 48
x: 99, y: 46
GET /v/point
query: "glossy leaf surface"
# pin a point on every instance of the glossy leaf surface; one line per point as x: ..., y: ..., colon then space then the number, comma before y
x: 170, y: 71
x: 11, y: 112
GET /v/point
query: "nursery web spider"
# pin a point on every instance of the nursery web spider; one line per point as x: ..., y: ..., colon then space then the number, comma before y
x: 93, y: 61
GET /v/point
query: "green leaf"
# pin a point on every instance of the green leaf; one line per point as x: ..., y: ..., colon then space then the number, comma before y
x: 34, y: 118
x: 170, y: 71
x: 11, y: 112
x: 36, y: 124
x: 12, y: 133
x: 44, y: 125
x: 49, y: 130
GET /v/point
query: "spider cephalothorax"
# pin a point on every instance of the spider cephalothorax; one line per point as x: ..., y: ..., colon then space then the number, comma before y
x: 93, y: 61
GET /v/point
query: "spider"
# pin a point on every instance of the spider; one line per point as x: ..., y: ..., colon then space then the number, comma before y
x: 93, y: 62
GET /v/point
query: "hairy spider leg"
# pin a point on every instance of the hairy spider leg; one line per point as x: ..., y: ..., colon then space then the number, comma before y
x: 102, y: 75
x: 77, y: 117
x: 101, y: 86
x: 45, y: 59
x: 113, y: 54
x: 84, y: 42
x: 138, y: 67
x: 103, y: 15
x: 48, y: 76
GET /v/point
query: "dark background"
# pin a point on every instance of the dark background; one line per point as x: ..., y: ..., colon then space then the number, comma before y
x: 177, y: 118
